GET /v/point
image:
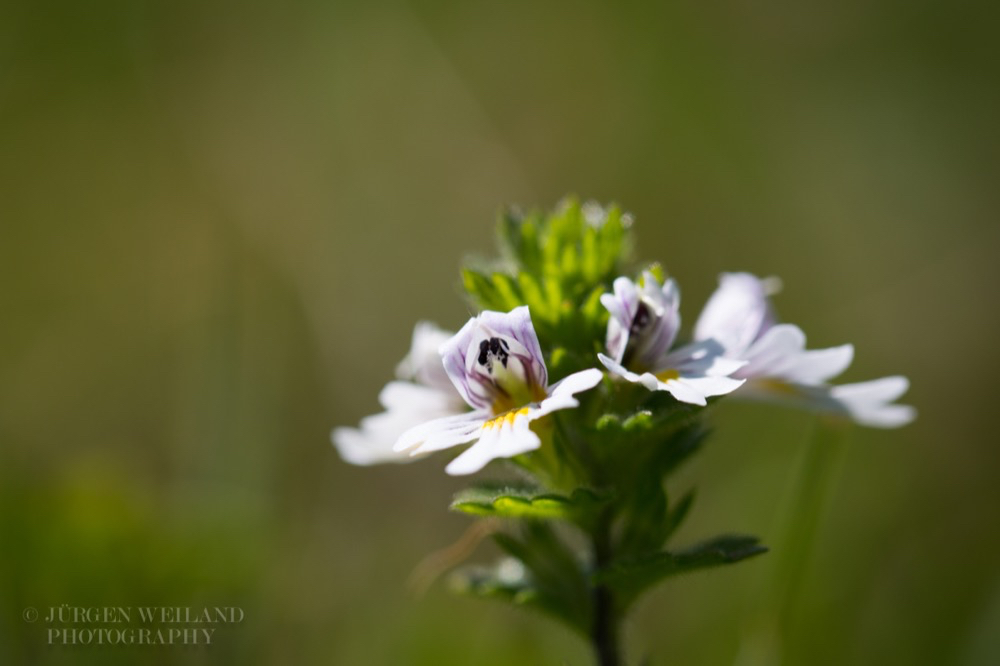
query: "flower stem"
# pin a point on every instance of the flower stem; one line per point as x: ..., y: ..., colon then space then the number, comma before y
x: 765, y: 641
x: 604, y: 633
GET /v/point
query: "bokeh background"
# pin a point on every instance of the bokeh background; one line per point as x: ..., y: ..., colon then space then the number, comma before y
x: 220, y: 221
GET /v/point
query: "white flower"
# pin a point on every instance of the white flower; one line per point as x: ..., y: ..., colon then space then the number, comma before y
x: 644, y: 323
x: 496, y: 364
x: 739, y: 317
x: 423, y: 391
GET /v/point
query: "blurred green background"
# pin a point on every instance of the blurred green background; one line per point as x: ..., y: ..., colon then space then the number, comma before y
x: 220, y: 221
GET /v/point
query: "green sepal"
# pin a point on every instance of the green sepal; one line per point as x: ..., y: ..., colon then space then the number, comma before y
x: 505, y: 500
x: 630, y: 578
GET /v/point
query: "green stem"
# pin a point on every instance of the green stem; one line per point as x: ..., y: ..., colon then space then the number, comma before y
x: 813, y: 484
x: 604, y: 632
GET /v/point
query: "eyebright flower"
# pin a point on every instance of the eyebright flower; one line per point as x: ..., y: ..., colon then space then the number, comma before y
x: 739, y: 317
x: 644, y: 322
x: 423, y: 391
x: 496, y: 364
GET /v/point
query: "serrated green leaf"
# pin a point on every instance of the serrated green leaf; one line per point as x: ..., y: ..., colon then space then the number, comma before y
x: 632, y: 577
x: 523, y: 501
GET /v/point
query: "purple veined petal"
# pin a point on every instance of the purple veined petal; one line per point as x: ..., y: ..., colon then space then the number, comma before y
x: 519, y: 361
x: 504, y: 437
x: 441, y: 433
x: 644, y: 320
x: 423, y: 363
x: 523, y: 366
x: 816, y: 366
x: 453, y: 355
x: 517, y: 324
x: 651, y: 342
x: 736, y: 314
x: 623, y: 305
x: 663, y: 297
x: 651, y: 346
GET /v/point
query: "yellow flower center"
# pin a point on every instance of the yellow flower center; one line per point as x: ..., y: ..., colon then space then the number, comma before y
x: 667, y: 375
x: 507, y: 417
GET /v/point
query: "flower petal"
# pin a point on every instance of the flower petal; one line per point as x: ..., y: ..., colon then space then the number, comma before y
x: 683, y: 391
x: 706, y: 386
x: 517, y: 324
x: 464, y: 361
x: 868, y: 402
x: 624, y: 303
x: 406, y: 405
x: 453, y: 356
x: 623, y: 306
x: 372, y: 442
x: 700, y: 358
x: 736, y: 314
x: 428, y: 403
x: 644, y: 320
x: 618, y: 369
x: 815, y: 366
x: 423, y: 363
x: 771, y: 350
x: 561, y: 393
x: 691, y: 388
x: 576, y: 382
x: 441, y: 433
x: 505, y: 438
